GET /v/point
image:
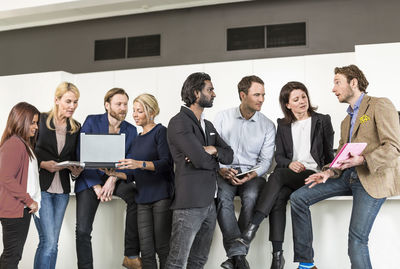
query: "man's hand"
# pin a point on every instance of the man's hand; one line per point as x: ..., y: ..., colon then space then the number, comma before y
x: 239, y: 181
x: 34, y: 207
x: 50, y: 166
x: 318, y: 178
x: 227, y: 173
x: 108, y: 189
x: 210, y: 150
x: 97, y: 189
x: 354, y: 160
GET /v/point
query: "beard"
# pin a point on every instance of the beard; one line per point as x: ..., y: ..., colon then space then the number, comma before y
x: 204, y: 102
x: 118, y: 116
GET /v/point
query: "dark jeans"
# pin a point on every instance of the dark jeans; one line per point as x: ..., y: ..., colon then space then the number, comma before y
x: 273, y: 198
x: 231, y: 227
x: 364, y: 212
x: 154, y: 223
x: 15, y: 231
x: 86, y: 207
x: 191, y: 237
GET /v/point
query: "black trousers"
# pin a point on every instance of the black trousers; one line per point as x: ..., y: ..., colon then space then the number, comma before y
x: 15, y: 231
x: 155, y: 224
x: 273, y: 198
x: 86, y: 207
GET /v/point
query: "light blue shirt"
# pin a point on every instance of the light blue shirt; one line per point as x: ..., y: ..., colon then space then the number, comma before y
x: 353, y: 114
x: 252, y: 140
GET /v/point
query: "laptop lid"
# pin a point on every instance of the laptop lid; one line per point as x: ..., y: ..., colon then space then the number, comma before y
x: 102, y: 150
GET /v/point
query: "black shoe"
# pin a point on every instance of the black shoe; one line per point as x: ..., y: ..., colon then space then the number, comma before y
x: 241, y: 262
x: 278, y: 261
x: 248, y: 234
x: 228, y: 264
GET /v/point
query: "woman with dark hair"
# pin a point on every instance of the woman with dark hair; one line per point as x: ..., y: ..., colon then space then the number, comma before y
x: 19, y: 181
x: 57, y: 140
x: 304, y: 142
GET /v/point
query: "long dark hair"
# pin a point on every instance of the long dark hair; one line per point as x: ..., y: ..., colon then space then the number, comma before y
x: 18, y: 123
x: 284, y: 99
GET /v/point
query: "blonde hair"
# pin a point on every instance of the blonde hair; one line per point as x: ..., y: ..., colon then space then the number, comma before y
x: 149, y: 103
x: 60, y: 91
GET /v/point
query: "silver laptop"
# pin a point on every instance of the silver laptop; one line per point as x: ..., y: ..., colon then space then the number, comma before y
x: 102, y: 150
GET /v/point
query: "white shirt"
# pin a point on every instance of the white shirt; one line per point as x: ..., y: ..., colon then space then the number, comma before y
x: 33, y: 186
x: 301, y: 135
x: 252, y: 140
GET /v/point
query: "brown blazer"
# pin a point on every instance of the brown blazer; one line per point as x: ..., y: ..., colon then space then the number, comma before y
x: 14, y: 162
x: 378, y: 125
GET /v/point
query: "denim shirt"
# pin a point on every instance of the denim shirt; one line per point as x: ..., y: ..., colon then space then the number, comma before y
x: 353, y: 114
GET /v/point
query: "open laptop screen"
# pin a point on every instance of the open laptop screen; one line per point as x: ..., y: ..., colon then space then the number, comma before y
x: 102, y: 149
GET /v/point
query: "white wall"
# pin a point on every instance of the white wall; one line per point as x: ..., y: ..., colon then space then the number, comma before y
x: 330, y: 218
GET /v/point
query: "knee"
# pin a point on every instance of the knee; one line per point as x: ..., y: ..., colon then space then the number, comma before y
x: 225, y: 199
x: 297, y: 199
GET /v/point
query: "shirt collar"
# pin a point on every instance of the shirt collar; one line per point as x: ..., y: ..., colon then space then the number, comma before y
x: 238, y: 115
x: 350, y: 110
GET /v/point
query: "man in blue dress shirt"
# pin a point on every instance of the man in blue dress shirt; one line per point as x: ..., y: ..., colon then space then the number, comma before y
x: 93, y: 186
x: 251, y: 135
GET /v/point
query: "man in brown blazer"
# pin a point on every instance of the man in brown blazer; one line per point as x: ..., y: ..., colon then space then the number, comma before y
x: 370, y: 178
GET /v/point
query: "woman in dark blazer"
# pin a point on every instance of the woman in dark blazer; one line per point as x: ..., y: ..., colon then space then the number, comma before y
x: 304, y: 144
x: 57, y: 140
x: 19, y: 181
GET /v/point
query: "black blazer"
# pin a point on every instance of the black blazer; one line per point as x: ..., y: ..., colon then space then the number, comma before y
x: 195, y: 181
x: 46, y: 150
x: 321, y: 141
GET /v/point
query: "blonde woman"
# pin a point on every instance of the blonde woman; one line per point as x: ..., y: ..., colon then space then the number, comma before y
x: 57, y: 140
x: 154, y: 177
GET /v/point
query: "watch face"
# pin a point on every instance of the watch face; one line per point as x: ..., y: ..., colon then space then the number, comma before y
x: 144, y: 164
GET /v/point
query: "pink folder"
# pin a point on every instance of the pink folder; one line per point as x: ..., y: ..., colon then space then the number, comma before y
x: 344, y: 154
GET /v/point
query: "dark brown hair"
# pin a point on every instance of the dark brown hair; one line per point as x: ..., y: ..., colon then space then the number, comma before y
x: 352, y: 71
x: 245, y: 84
x: 284, y: 99
x: 18, y: 123
x: 111, y: 93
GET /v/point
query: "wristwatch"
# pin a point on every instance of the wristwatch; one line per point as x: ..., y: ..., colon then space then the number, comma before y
x: 143, y: 165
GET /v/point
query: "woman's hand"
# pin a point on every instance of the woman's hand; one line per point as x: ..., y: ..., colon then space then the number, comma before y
x: 50, y: 166
x: 297, y: 167
x: 34, y: 207
x: 129, y: 164
x: 75, y: 170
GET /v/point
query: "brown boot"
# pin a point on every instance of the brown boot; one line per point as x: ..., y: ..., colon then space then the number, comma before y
x: 132, y: 263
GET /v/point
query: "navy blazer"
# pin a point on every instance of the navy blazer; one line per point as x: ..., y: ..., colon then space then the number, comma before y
x: 98, y: 124
x: 46, y: 150
x: 321, y: 141
x: 195, y: 181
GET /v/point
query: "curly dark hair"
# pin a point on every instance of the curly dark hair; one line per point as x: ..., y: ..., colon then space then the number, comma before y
x: 194, y: 83
x: 352, y: 71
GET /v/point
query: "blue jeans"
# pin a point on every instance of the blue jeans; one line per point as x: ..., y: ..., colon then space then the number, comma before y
x: 191, y: 237
x: 51, y: 213
x: 364, y: 212
x: 231, y: 227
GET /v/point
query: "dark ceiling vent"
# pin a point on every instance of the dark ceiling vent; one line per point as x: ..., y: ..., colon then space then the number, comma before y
x: 286, y: 35
x: 141, y: 46
x: 109, y: 49
x: 246, y: 38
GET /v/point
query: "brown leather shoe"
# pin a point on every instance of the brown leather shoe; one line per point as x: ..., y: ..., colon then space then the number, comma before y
x: 132, y: 263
